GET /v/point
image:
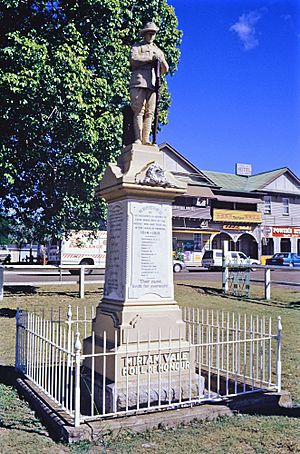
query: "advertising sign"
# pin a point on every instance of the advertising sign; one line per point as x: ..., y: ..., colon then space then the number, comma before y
x: 243, y: 169
x: 237, y: 216
x: 266, y: 231
x: 286, y: 232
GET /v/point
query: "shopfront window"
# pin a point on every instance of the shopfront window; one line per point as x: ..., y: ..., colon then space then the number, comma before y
x: 186, y: 245
x: 285, y: 245
x: 267, y: 246
x: 183, y: 245
x: 174, y: 243
x: 197, y: 242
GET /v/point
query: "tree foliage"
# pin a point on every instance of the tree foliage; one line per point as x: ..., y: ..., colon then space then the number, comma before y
x: 64, y: 80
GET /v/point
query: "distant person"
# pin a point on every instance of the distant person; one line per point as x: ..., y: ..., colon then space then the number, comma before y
x: 143, y: 57
x: 41, y: 257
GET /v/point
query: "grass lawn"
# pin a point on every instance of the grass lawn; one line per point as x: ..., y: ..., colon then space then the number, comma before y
x: 21, y: 432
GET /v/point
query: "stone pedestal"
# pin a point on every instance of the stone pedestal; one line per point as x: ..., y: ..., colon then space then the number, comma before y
x: 138, y: 318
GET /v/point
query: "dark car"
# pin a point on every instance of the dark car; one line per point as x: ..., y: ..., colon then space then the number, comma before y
x: 5, y: 256
x: 284, y: 259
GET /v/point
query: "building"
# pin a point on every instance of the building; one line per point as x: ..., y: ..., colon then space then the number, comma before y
x: 279, y: 208
x: 191, y: 212
x: 280, y: 211
x: 258, y: 214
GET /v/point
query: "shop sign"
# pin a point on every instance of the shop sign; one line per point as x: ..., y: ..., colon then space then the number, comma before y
x: 266, y: 231
x: 286, y: 232
x: 243, y: 169
x: 237, y: 227
x: 237, y: 216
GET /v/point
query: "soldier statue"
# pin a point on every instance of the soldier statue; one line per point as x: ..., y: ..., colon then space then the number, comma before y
x: 145, y: 57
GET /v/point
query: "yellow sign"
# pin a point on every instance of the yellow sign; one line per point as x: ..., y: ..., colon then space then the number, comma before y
x: 237, y: 216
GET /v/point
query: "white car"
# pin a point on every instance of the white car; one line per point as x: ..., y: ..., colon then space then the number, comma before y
x: 213, y: 259
x: 178, y: 266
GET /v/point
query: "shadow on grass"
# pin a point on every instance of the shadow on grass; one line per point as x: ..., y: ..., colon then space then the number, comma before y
x: 257, y: 406
x: 295, y: 304
x: 8, y: 375
x: 5, y: 312
x: 12, y: 290
x: 20, y: 420
x: 212, y: 291
x: 204, y: 290
x: 293, y: 412
x: 72, y: 294
x: 29, y: 290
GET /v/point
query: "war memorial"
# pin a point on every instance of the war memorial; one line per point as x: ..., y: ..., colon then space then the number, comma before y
x: 138, y: 297
x: 140, y: 353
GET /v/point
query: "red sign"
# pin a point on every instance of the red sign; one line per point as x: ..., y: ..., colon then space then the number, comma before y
x: 286, y: 232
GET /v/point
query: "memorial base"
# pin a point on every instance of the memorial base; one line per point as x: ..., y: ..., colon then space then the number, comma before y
x: 129, y: 396
x: 137, y: 322
x: 138, y: 359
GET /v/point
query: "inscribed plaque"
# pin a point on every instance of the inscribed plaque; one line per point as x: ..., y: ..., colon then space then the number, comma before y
x: 116, y: 252
x: 151, y: 246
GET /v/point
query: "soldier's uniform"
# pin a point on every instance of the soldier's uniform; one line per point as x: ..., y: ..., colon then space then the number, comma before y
x: 142, y: 84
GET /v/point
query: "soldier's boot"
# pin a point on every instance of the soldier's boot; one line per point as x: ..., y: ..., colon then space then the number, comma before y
x: 137, y: 127
x: 147, y: 129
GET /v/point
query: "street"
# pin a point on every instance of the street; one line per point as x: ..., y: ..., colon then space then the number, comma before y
x: 285, y: 277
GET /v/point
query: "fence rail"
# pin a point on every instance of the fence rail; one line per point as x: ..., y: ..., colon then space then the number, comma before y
x: 217, y: 355
x: 240, y: 285
x: 81, y: 269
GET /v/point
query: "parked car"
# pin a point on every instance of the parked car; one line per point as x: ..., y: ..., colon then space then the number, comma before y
x: 178, y: 265
x: 284, y: 259
x: 5, y: 255
x: 213, y: 258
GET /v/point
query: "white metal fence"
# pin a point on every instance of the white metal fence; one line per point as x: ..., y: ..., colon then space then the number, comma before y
x: 220, y: 354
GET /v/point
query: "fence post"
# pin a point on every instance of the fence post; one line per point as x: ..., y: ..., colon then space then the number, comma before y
x: 81, y: 282
x: 278, y: 362
x: 77, y: 349
x: 69, y: 323
x: 247, y: 279
x: 267, y: 283
x: 69, y: 334
x: 17, y: 339
x: 1, y: 282
x: 225, y: 268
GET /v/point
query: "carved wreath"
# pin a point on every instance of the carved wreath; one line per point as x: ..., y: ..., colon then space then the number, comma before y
x: 156, y: 176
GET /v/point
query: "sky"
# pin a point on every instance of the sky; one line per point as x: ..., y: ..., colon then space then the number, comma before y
x: 235, y: 96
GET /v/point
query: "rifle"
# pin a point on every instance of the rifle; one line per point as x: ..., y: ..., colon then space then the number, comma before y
x: 157, y: 90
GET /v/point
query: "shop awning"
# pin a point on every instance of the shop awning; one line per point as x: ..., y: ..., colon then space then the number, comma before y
x: 191, y: 212
x: 229, y: 198
x: 199, y: 191
x: 205, y: 231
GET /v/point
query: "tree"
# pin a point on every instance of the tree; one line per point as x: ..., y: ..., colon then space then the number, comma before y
x: 64, y: 82
x: 5, y: 230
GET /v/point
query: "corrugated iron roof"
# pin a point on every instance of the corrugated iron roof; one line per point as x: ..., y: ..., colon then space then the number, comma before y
x: 231, y: 182
x: 199, y: 191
